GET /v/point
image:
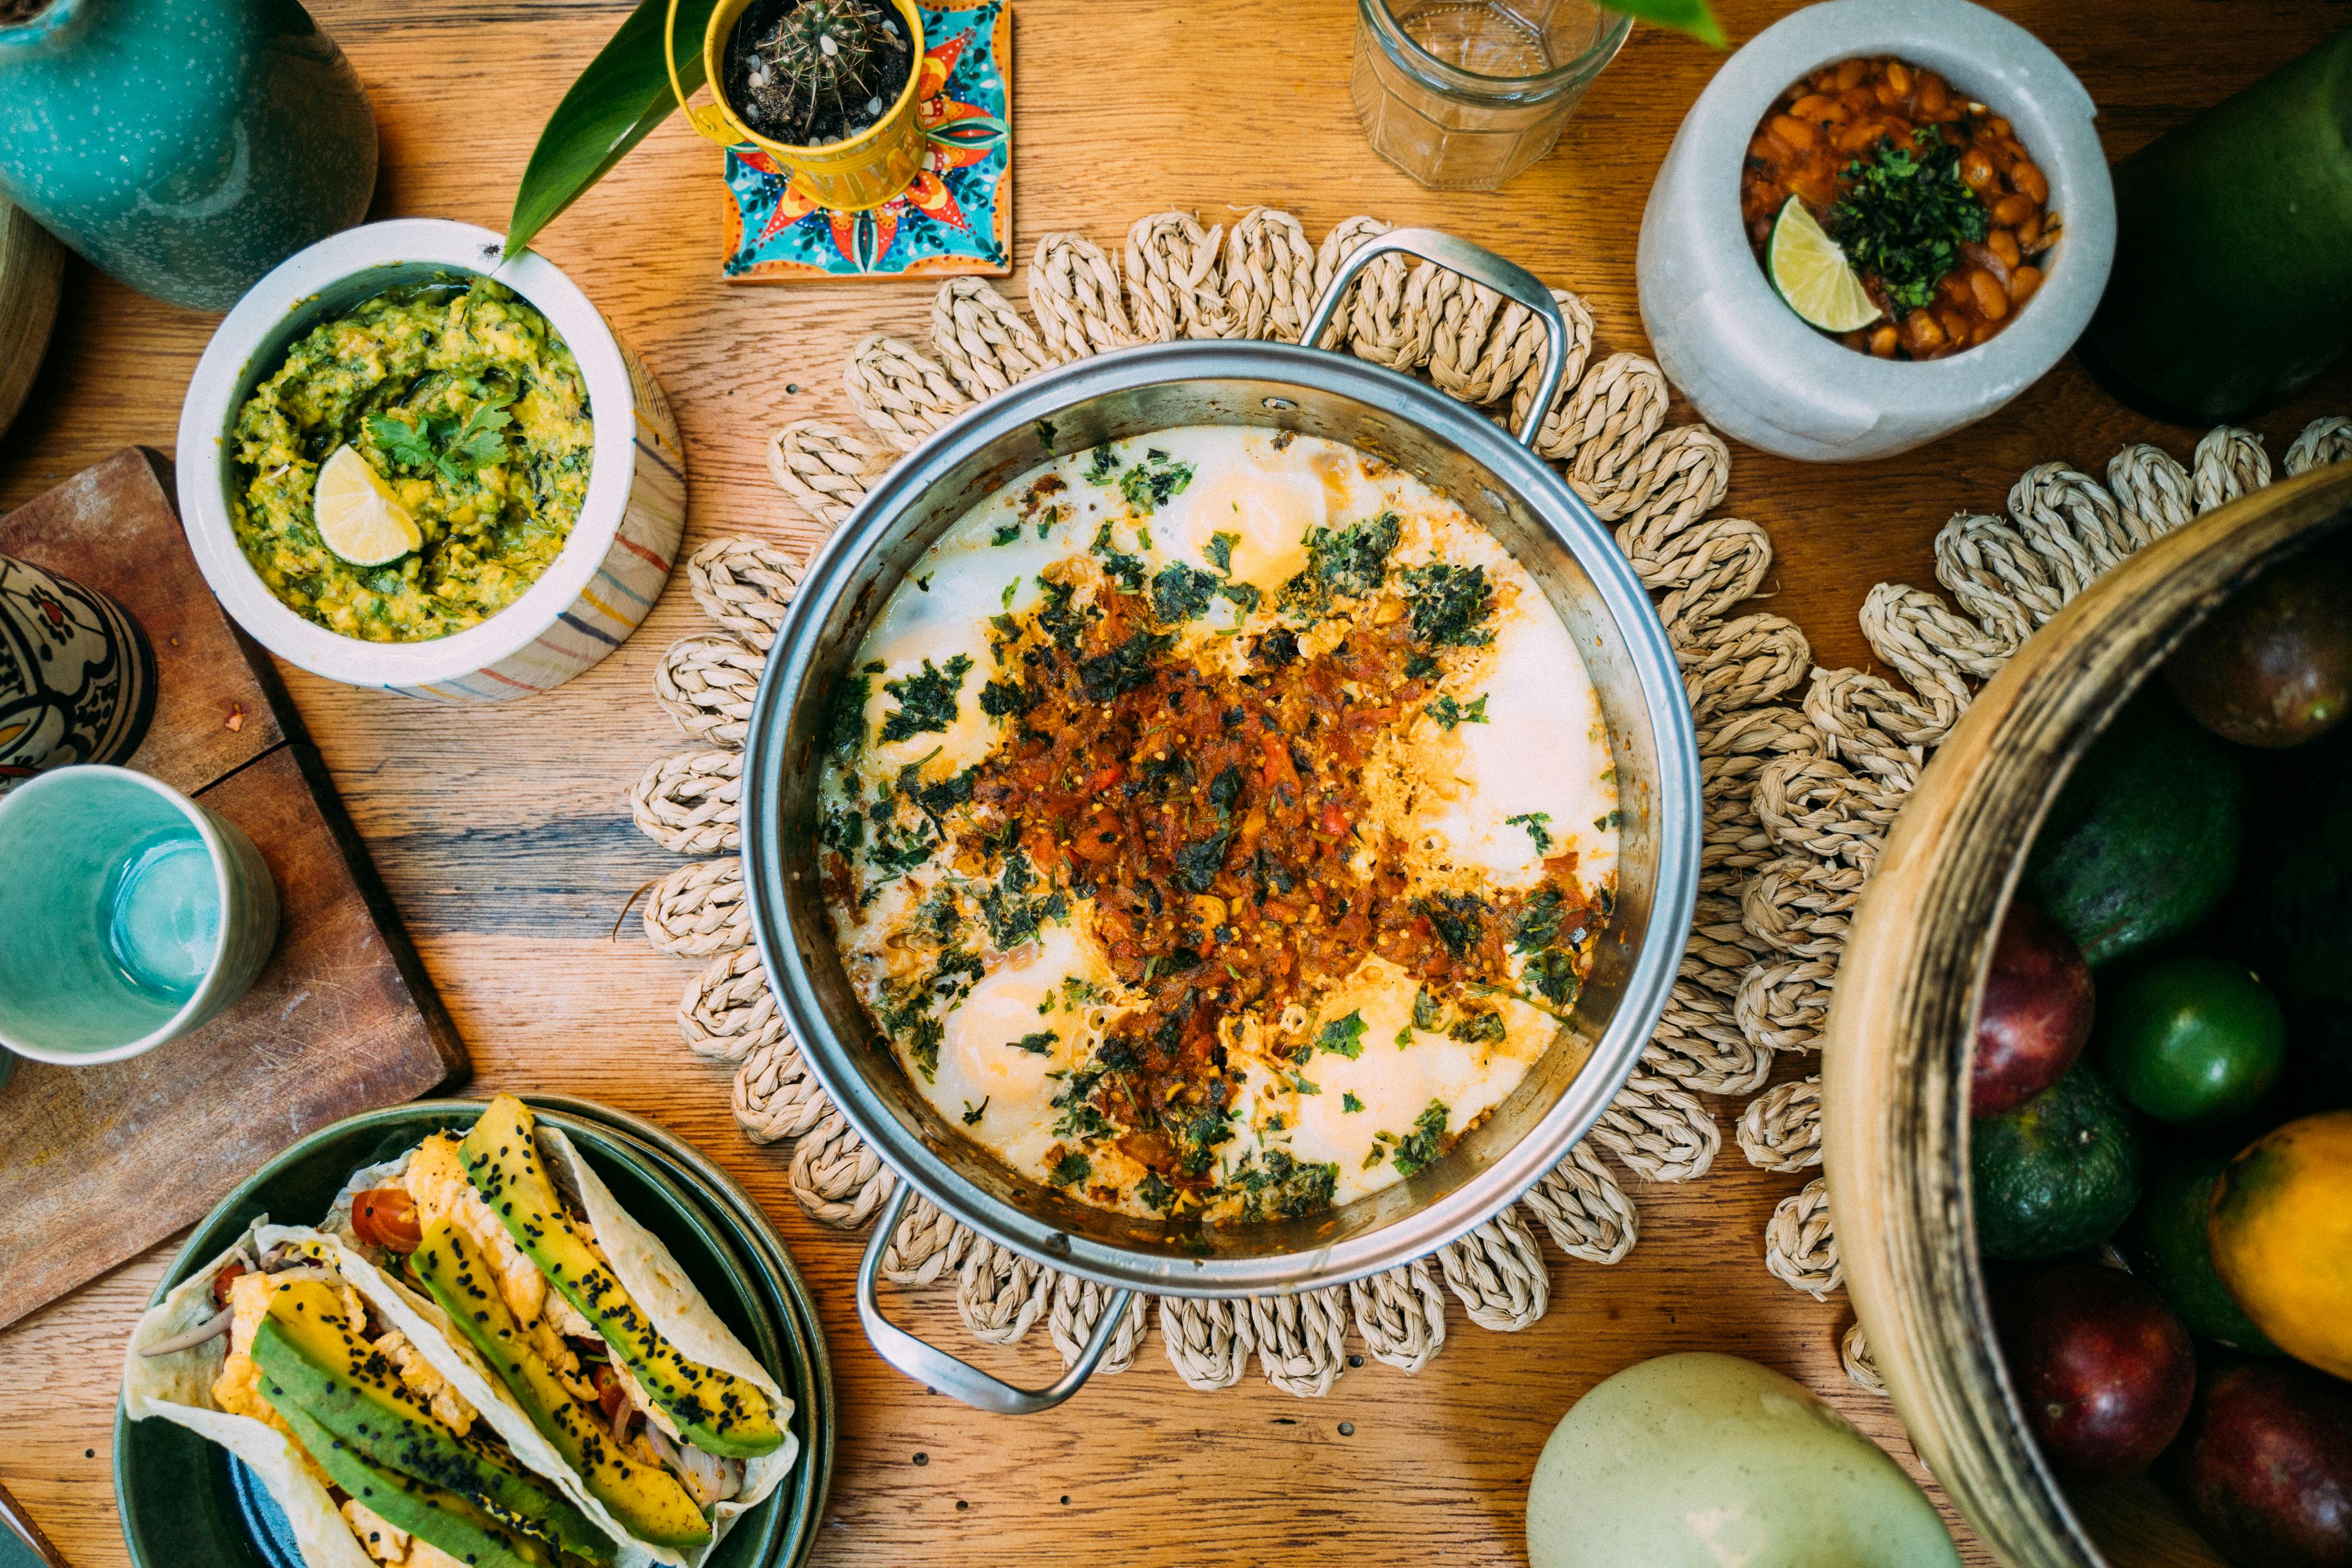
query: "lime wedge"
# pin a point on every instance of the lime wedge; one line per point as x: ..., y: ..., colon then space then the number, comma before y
x: 1814, y: 275
x: 357, y: 514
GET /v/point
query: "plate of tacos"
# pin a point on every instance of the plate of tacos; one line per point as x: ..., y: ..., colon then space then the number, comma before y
x: 503, y: 1334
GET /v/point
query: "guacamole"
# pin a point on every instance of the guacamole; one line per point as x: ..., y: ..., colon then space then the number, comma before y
x: 471, y: 409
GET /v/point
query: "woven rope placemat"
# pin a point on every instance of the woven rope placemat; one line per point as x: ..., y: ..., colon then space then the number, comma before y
x: 1179, y: 279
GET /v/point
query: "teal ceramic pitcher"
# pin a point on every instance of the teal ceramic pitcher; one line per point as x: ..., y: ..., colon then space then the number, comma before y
x: 186, y: 146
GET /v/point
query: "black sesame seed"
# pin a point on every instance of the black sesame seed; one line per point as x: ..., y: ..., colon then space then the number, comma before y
x: 1347, y: 1428
x: 922, y: 1458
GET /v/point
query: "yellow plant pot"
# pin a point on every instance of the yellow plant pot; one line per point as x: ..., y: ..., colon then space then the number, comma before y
x: 864, y: 171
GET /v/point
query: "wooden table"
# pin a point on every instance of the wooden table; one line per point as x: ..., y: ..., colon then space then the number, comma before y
x: 504, y: 837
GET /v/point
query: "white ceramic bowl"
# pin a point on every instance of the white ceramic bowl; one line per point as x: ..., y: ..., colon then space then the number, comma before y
x: 621, y: 549
x: 1745, y: 361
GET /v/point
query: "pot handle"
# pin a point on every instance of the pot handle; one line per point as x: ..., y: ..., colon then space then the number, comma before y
x: 935, y: 1368
x: 1508, y: 278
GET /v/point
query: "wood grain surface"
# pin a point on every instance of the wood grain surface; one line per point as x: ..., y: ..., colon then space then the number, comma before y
x: 503, y: 836
x: 103, y: 1161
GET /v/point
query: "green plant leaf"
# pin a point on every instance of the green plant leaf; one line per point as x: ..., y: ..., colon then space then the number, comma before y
x: 1695, y: 17
x: 616, y: 104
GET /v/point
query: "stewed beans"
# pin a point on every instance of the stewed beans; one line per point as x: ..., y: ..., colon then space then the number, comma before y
x: 1939, y: 208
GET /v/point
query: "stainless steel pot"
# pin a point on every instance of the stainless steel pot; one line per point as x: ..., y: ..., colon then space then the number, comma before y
x: 1501, y: 484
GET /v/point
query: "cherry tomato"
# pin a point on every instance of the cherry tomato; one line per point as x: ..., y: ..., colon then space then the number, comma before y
x: 611, y: 1398
x: 385, y: 1216
x: 223, y: 1280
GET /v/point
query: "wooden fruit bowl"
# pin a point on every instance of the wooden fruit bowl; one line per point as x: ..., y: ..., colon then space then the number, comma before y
x: 1895, y: 1063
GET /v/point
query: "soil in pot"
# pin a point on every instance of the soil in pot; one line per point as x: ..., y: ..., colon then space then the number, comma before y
x: 809, y: 73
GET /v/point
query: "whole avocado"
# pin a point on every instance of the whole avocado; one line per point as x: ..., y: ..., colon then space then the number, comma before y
x: 2290, y: 914
x: 2056, y: 1175
x: 2142, y: 843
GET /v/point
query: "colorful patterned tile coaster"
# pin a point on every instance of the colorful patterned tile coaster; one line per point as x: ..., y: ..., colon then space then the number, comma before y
x: 956, y: 218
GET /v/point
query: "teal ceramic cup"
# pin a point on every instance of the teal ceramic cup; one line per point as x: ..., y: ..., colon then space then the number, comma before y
x: 133, y: 916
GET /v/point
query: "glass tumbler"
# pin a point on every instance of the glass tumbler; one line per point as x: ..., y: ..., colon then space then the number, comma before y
x: 1464, y: 94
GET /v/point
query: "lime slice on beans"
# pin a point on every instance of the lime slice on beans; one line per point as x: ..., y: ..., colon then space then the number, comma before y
x: 1813, y: 274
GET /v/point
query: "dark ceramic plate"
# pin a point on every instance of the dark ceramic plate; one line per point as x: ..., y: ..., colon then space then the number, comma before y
x: 186, y: 1503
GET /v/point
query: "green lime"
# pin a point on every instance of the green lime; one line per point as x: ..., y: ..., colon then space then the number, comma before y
x: 2193, y: 1040
x: 1813, y: 274
x: 2057, y: 1174
x: 2168, y: 1241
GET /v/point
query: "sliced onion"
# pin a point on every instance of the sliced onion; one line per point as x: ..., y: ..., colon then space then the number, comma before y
x: 710, y: 1478
x: 210, y: 1329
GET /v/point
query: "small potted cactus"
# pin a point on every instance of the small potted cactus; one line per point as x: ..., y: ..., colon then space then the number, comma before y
x: 826, y: 88
x: 814, y: 73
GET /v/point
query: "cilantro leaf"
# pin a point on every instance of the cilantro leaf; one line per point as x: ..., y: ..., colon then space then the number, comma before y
x: 1533, y: 821
x: 1343, y: 1036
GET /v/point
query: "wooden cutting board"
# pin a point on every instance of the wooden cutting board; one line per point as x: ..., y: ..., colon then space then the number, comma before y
x: 98, y: 1164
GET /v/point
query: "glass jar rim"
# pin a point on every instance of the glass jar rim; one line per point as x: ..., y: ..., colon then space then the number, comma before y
x: 1408, y: 52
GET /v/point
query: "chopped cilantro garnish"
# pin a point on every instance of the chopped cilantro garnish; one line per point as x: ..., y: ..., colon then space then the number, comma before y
x: 924, y: 1037
x: 1426, y: 1143
x: 1904, y: 215
x: 843, y: 829
x: 1348, y: 1102
x: 1004, y: 699
x: 1071, y: 1169
x: 1343, y: 1036
x: 1154, y: 1192
x: 1197, y: 865
x: 1154, y: 482
x: 1124, y: 668
x: 1354, y: 560
x: 1448, y: 602
x: 1181, y: 592
x: 1101, y: 464
x: 1059, y: 620
x: 1007, y: 533
x: 1460, y: 919
x: 1539, y: 923
x: 1533, y: 821
x: 847, y: 724
x: 973, y: 1114
x: 927, y: 700
x: 1042, y: 1043
x: 1449, y: 713
x: 1428, y: 1012
x: 895, y: 853
x: 1124, y: 568
x: 1553, y: 973
x: 1221, y: 551
x: 1608, y: 819
x: 1478, y: 1029
x: 1299, y: 1083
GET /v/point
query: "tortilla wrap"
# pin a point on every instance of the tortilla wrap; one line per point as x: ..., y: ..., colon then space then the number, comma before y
x: 662, y: 1291
x: 178, y: 1387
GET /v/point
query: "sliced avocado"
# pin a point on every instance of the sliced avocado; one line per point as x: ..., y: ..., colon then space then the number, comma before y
x: 649, y: 1503
x: 310, y: 1358
x: 435, y: 1515
x: 715, y: 1411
